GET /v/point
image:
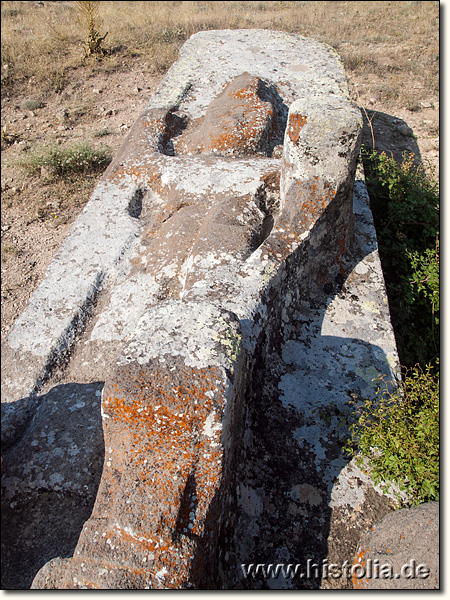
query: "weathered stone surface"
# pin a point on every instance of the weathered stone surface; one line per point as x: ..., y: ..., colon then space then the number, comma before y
x: 233, y: 293
x: 401, y: 552
x: 50, y: 480
x: 145, y: 186
x: 239, y: 122
x: 309, y: 502
x: 171, y: 412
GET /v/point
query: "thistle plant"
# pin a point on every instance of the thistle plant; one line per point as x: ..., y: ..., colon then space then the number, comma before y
x: 90, y: 21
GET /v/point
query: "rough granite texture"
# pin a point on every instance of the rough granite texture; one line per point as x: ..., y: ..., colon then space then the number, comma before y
x: 222, y: 292
x: 401, y: 552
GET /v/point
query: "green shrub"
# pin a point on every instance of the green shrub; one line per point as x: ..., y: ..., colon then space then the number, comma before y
x: 31, y: 104
x: 64, y: 162
x: 405, y: 206
x: 398, y: 431
x: 425, y: 284
x: 399, y: 434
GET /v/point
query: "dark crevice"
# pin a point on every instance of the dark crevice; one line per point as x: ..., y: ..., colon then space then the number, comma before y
x: 269, y: 93
x: 188, y: 505
x: 135, y: 204
x: 174, y: 126
x: 267, y: 199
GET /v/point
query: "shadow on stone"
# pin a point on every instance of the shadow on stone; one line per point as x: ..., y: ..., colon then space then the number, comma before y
x: 390, y: 134
x: 290, y: 507
x: 50, y: 478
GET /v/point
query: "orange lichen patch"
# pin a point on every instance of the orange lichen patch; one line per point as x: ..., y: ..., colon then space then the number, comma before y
x: 156, y: 123
x: 132, y: 172
x: 162, y: 431
x: 237, y: 122
x: 312, y: 200
x: 163, y: 467
x: 241, y: 134
x: 359, y: 566
x: 283, y: 241
x: 139, y: 173
x: 295, y: 124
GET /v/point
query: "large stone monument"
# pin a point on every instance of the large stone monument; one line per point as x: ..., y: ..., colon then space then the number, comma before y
x: 222, y: 292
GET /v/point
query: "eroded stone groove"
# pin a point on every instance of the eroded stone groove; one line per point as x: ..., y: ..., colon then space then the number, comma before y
x: 245, y: 119
x: 242, y: 305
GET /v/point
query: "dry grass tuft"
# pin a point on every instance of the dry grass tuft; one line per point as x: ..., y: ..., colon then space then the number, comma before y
x: 89, y: 20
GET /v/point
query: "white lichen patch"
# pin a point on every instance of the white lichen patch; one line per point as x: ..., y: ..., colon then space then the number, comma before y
x: 212, y: 427
x: 197, y: 177
x: 352, y: 484
x: 191, y: 331
x: 126, y: 305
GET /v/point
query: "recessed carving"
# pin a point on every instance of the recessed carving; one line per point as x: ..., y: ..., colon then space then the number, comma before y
x: 247, y: 118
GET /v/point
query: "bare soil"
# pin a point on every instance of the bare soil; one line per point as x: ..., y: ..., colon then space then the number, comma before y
x: 99, y: 104
x: 36, y: 213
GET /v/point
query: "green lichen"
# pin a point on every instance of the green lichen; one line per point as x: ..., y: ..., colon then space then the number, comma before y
x: 267, y: 274
x: 231, y: 340
x: 369, y: 375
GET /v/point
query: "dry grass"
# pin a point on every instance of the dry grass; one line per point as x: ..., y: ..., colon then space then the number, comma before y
x: 395, y: 41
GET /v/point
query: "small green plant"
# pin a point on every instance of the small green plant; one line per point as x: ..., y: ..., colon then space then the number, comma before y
x: 101, y: 132
x: 62, y: 162
x: 398, y: 432
x: 425, y: 284
x: 89, y: 19
x: 31, y: 104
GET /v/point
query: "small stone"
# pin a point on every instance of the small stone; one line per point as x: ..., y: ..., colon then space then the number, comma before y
x: 45, y: 172
x: 404, y: 130
x: 63, y: 114
x: 408, y: 541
